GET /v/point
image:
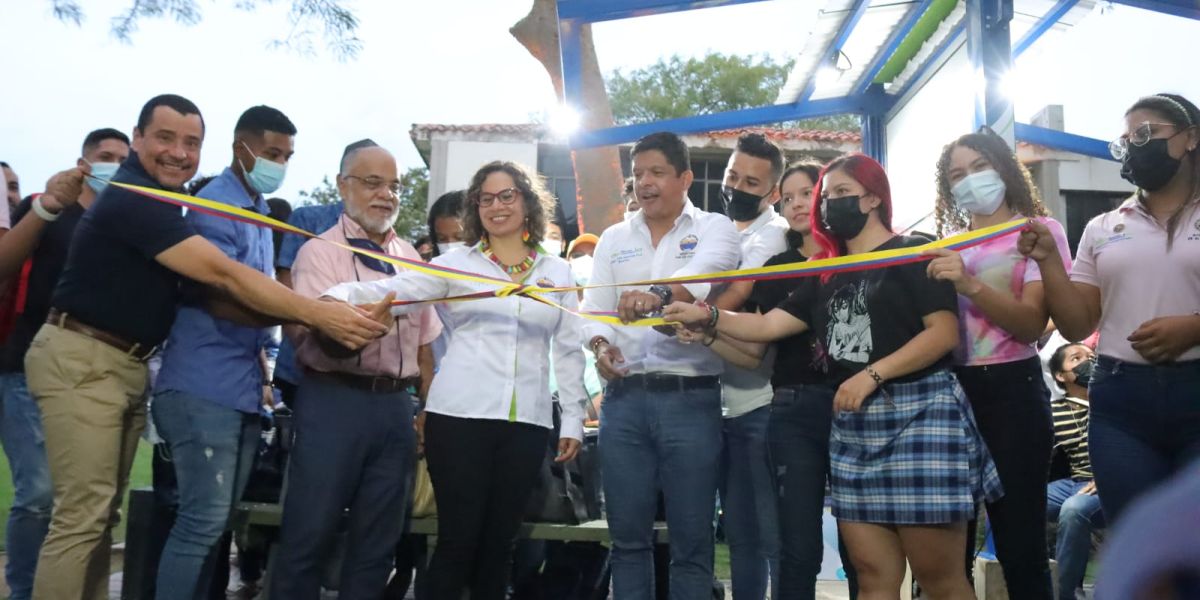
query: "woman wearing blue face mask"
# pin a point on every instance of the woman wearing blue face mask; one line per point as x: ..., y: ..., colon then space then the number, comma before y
x: 1002, y: 315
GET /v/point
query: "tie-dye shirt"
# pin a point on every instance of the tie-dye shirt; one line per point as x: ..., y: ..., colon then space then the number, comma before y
x: 1001, y: 267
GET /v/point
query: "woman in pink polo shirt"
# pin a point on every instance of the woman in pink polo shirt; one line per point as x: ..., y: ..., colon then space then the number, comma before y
x: 1002, y: 313
x: 1137, y: 278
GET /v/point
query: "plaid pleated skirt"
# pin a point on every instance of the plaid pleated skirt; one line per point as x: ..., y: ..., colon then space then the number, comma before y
x: 911, y: 457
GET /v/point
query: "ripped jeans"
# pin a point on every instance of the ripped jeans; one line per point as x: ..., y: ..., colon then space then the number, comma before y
x: 212, y: 447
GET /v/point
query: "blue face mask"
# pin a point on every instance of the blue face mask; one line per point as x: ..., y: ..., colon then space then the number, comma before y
x: 979, y: 193
x: 266, y: 176
x: 101, y: 173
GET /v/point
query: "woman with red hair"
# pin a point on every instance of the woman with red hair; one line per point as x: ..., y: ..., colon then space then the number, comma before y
x: 908, y: 465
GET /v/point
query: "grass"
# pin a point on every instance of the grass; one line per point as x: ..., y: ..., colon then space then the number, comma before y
x: 139, y: 476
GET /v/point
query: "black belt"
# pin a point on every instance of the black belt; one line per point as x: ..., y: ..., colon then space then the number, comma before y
x: 377, y: 384
x: 655, y: 382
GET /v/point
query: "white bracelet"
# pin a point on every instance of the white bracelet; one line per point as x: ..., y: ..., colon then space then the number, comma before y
x: 41, y: 211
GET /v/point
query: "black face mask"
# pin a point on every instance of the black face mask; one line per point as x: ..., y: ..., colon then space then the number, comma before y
x: 739, y: 205
x: 842, y: 217
x: 1149, y: 166
x: 1083, y: 372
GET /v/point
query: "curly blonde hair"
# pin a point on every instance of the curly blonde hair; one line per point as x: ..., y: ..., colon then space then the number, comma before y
x: 1020, y: 194
x: 537, y: 200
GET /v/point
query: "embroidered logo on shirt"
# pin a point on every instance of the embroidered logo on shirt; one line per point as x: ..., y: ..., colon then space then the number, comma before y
x: 688, y: 242
x: 1121, y: 227
x: 545, y: 282
x: 626, y: 255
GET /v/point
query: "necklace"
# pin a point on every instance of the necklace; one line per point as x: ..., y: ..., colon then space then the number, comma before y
x: 516, y: 269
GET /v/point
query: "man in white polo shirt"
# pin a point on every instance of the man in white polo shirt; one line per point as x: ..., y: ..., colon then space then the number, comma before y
x: 750, y: 189
x: 661, y: 424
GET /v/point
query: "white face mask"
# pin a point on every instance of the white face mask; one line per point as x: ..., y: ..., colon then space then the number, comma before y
x: 445, y: 247
x: 979, y: 193
x: 554, y: 247
x: 581, y: 267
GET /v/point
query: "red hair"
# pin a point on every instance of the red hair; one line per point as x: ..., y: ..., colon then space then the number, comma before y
x: 869, y: 174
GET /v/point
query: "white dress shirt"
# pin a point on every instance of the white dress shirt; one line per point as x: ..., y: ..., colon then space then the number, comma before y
x: 745, y: 390
x: 700, y: 242
x: 497, y: 364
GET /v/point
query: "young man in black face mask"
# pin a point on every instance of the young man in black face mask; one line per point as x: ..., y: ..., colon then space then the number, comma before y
x: 750, y: 190
x: 1073, y: 502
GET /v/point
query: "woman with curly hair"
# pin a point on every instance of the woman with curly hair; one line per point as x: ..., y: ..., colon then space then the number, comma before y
x: 489, y: 408
x: 1002, y: 314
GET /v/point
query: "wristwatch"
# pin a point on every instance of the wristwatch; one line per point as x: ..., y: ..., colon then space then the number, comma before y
x: 663, y: 292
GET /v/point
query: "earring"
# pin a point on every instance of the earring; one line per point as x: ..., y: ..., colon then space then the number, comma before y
x: 525, y: 236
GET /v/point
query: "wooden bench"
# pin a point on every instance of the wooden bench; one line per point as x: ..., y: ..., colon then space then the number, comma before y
x: 269, y: 515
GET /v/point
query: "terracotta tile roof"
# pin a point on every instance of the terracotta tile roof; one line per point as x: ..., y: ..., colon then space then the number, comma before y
x: 534, y: 129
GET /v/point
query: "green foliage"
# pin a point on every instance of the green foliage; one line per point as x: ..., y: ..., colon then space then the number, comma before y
x: 411, y: 223
x: 676, y: 87
x: 309, y: 20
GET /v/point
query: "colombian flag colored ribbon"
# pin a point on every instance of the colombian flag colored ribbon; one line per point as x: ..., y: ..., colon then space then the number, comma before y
x: 506, y: 287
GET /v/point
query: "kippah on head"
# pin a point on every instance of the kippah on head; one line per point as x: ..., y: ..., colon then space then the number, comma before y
x: 355, y: 147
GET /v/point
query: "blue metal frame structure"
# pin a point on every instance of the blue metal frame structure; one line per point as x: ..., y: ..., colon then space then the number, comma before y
x: 989, y: 45
x: 834, y: 49
x: 1058, y: 11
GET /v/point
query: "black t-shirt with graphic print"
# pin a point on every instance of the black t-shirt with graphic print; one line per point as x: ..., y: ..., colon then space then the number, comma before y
x: 794, y: 357
x: 861, y: 317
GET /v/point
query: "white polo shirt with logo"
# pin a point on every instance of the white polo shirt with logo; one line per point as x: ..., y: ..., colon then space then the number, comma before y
x: 1124, y: 253
x: 746, y: 390
x: 699, y: 242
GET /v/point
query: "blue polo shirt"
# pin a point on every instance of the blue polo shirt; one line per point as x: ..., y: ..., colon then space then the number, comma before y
x: 205, y: 356
x: 315, y: 219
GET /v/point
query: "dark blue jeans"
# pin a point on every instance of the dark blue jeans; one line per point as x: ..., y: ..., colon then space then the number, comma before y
x: 33, y: 496
x: 748, y: 503
x: 1012, y: 410
x: 1077, y: 516
x: 354, y: 450
x: 798, y: 435
x: 1145, y: 425
x: 212, y: 449
x: 653, y: 438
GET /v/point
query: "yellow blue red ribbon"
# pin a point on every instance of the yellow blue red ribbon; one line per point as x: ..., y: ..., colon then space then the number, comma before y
x: 505, y: 287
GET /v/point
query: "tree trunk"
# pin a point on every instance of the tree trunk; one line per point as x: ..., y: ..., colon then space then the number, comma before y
x: 598, y: 179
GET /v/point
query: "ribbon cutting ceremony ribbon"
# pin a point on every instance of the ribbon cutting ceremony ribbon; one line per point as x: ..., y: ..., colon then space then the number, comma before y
x: 506, y: 287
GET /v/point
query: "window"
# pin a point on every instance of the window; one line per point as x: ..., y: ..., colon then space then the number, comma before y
x: 705, y: 192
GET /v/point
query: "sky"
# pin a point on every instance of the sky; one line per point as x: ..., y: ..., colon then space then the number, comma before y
x: 453, y: 61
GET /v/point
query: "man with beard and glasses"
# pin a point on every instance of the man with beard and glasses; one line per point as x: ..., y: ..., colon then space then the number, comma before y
x: 213, y: 377
x: 114, y: 304
x: 355, y: 442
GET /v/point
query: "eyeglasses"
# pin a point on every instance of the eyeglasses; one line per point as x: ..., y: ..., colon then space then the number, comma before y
x: 1140, y: 136
x: 374, y: 184
x: 506, y: 197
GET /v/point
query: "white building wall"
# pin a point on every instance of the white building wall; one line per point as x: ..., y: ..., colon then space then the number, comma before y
x: 935, y: 116
x: 453, y: 162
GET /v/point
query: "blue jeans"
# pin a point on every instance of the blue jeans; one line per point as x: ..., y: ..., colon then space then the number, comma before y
x: 748, y: 500
x: 1144, y: 426
x: 1077, y: 516
x: 212, y: 448
x: 798, y: 435
x: 653, y: 438
x: 33, y: 496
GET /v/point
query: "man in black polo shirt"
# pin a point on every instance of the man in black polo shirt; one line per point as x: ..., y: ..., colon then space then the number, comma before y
x: 114, y: 304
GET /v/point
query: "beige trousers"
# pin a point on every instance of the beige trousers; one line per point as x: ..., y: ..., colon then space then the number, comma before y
x: 92, y: 400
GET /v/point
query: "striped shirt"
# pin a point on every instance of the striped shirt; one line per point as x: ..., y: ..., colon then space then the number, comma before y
x: 1070, y: 433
